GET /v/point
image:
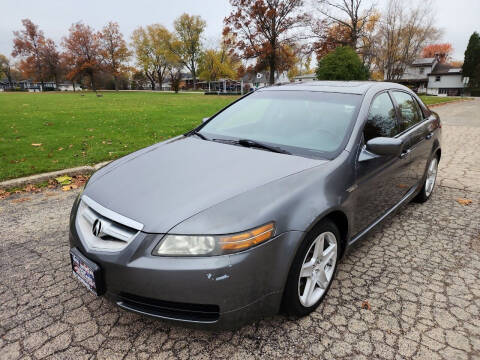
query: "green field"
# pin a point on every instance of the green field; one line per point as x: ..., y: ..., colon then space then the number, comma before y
x: 76, y: 130
x: 68, y: 129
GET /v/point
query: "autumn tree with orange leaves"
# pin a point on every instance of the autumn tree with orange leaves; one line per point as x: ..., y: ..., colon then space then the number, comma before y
x: 51, y: 61
x: 28, y: 44
x: 265, y: 30
x: 114, y: 51
x: 442, y: 51
x: 83, y: 52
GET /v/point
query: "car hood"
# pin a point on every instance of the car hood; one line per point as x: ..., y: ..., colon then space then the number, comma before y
x: 172, y: 181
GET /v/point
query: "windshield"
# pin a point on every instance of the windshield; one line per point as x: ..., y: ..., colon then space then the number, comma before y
x: 300, y: 122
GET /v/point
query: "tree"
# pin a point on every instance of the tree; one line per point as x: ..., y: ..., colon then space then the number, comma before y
x: 28, y: 44
x: 329, y: 38
x: 186, y: 43
x: 152, y: 50
x: 351, y: 17
x: 403, y: 33
x: 265, y: 30
x: 114, y: 51
x: 342, y: 64
x: 442, y: 51
x: 51, y: 61
x: 175, y: 74
x: 5, y: 69
x: 471, y: 65
x: 82, y: 52
x: 213, y: 65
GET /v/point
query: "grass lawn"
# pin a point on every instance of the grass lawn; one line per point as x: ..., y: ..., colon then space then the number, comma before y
x: 70, y: 130
x: 76, y: 130
x: 430, y: 100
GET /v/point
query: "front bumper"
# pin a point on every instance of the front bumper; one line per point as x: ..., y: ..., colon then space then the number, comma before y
x: 213, y: 292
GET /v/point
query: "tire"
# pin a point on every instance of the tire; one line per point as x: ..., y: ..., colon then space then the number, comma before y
x: 429, y: 183
x: 296, y: 301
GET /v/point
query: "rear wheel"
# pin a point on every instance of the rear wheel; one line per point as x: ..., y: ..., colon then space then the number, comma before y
x: 313, y: 270
x: 430, y: 179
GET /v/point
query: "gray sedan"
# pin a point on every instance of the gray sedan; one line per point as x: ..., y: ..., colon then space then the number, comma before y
x: 250, y: 213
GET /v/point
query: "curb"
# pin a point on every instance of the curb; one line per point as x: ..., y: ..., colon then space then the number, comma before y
x: 35, y: 179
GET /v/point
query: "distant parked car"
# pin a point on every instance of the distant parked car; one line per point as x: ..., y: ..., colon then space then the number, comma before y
x: 250, y: 212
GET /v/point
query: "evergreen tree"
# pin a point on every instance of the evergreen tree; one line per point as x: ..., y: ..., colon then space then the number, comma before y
x: 342, y: 64
x: 471, y: 65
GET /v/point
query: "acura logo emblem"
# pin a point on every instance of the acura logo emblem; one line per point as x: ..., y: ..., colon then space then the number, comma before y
x: 97, y: 227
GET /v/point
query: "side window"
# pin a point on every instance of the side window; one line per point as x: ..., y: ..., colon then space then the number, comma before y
x: 381, y: 118
x: 409, y: 110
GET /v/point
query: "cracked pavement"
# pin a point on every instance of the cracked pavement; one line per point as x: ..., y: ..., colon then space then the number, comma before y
x: 419, y: 272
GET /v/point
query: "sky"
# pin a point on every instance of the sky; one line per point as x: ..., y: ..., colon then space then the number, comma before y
x: 458, y: 19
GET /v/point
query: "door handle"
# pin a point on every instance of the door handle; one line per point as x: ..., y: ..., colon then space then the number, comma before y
x: 404, y: 154
x: 429, y: 136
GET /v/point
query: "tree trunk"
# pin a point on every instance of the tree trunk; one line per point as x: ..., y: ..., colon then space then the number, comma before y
x: 272, y: 65
x: 160, y: 79
x: 92, y: 82
x: 115, y: 80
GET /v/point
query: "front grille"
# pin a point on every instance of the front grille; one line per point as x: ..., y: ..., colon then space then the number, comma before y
x: 168, y: 309
x: 112, y: 235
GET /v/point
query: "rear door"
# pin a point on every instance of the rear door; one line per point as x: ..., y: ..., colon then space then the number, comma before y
x: 414, y: 127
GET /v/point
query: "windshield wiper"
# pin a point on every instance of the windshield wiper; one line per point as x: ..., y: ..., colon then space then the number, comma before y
x: 200, y: 135
x: 259, y: 145
x: 253, y: 144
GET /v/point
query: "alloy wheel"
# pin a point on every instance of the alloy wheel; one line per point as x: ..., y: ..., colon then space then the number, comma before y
x: 317, y: 269
x: 431, y: 176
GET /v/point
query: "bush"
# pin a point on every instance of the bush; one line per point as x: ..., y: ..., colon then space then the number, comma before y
x: 342, y: 64
x: 475, y: 92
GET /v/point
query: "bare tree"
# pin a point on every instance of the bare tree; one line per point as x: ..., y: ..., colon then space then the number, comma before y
x: 352, y: 15
x: 403, y: 33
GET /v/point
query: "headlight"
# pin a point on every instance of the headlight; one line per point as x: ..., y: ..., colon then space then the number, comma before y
x: 192, y: 245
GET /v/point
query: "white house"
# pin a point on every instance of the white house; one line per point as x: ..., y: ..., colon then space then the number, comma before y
x: 415, y: 75
x: 305, y: 77
x: 432, y: 77
x: 257, y: 80
x: 445, y: 80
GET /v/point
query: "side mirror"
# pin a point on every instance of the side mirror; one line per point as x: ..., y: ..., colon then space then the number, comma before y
x: 385, y: 146
x: 205, y: 119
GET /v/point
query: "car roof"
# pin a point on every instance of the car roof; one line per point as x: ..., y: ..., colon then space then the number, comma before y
x: 346, y: 87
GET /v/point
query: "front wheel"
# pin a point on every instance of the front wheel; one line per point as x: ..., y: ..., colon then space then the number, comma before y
x: 430, y: 179
x: 313, y: 270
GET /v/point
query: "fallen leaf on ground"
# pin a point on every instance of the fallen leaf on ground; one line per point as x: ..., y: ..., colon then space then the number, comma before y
x: 464, y: 202
x: 69, y: 187
x: 4, y: 194
x: 64, y: 180
x: 32, y: 188
x: 366, y: 305
x: 37, y: 144
x: 60, y: 149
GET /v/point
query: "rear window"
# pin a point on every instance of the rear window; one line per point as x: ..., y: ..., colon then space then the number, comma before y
x: 297, y: 121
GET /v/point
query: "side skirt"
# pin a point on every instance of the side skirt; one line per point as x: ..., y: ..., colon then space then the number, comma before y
x: 408, y: 196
